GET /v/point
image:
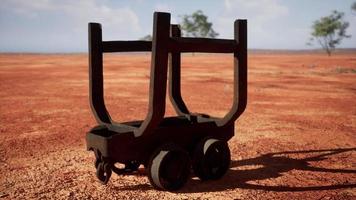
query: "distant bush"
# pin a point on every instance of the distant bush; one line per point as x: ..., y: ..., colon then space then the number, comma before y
x: 341, y: 70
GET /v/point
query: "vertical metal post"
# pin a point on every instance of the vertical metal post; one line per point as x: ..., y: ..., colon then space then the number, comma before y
x: 175, y: 77
x: 158, y: 76
x: 96, y: 86
x: 240, y: 74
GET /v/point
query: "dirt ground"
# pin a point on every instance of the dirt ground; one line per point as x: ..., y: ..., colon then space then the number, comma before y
x: 296, y: 139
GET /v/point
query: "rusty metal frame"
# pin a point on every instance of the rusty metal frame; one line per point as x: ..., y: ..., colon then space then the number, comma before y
x: 167, y: 44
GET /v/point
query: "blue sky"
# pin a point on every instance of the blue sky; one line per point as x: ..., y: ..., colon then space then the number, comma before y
x: 61, y: 25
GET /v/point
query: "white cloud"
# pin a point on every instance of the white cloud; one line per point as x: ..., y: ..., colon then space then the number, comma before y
x: 261, y: 15
x: 160, y: 7
x: 263, y: 10
x: 78, y: 13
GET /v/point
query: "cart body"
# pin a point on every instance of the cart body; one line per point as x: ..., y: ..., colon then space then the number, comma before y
x: 138, y: 140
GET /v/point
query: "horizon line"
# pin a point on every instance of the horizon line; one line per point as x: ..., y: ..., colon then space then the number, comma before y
x: 251, y: 49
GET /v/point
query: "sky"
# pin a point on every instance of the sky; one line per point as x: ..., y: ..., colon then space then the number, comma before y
x: 61, y: 25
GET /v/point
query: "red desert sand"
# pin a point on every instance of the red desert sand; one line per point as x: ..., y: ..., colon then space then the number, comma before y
x: 296, y: 139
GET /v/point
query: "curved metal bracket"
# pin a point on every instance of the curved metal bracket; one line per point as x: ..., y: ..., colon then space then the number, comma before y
x: 96, y: 86
x: 240, y: 75
x: 158, y: 76
x: 174, y: 77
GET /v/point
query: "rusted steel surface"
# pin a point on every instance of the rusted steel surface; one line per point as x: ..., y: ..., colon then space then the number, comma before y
x: 145, y: 141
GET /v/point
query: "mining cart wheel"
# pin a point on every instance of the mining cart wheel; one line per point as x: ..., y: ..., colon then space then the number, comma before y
x: 169, y: 168
x: 103, y: 172
x: 211, y: 159
x: 131, y: 166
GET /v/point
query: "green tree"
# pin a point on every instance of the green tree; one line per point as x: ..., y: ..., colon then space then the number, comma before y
x: 353, y: 7
x: 197, y: 25
x: 329, y: 31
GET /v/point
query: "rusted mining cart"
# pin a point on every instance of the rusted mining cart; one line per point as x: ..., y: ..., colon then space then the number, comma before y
x: 167, y: 147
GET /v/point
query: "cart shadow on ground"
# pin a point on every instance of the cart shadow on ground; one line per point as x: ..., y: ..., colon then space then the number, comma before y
x: 268, y: 166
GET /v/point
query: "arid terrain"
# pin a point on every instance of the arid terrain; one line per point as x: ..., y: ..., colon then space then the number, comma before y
x: 296, y: 139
